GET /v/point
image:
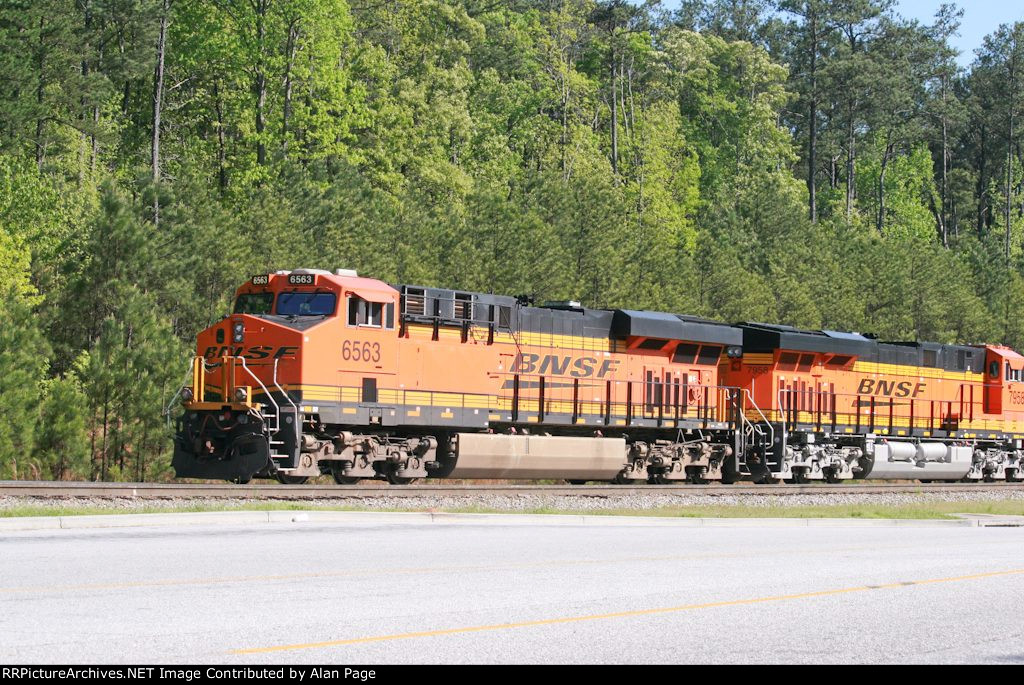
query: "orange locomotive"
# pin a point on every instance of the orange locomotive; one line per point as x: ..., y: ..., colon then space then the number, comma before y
x: 842, y: 405
x: 319, y: 372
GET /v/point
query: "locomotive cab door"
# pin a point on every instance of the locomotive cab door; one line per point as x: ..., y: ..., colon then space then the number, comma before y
x: 369, y: 350
x: 993, y: 383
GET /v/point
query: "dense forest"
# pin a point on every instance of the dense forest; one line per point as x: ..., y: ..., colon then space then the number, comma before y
x: 812, y: 162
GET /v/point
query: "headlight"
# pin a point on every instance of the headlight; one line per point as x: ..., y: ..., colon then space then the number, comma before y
x: 186, y: 394
x: 241, y: 394
x: 239, y: 329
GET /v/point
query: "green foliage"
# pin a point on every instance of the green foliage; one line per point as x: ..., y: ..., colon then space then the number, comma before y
x: 62, y: 443
x: 23, y: 359
x: 572, y: 149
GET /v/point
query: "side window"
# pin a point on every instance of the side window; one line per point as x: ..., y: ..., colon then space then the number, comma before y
x: 788, y: 361
x: 371, y: 314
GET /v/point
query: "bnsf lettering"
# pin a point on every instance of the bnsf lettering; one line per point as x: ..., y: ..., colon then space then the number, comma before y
x: 869, y: 386
x: 255, y: 352
x: 556, y: 365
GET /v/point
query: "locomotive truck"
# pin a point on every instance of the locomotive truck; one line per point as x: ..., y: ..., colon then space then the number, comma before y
x: 318, y: 372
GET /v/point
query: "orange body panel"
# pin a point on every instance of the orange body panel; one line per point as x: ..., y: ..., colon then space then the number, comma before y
x: 812, y: 389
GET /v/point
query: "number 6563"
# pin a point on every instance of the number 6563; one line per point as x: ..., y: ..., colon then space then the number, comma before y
x: 352, y: 350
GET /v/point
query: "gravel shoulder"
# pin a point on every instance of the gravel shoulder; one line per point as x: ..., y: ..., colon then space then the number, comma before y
x: 894, y: 505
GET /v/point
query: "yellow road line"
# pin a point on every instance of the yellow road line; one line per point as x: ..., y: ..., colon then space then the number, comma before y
x: 621, y: 614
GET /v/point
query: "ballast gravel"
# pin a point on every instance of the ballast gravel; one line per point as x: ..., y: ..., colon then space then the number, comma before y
x: 524, y: 501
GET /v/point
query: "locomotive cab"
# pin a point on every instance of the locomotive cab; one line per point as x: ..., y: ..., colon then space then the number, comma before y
x: 1004, y: 373
x: 261, y: 373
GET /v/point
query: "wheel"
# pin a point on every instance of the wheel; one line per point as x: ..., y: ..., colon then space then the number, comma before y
x: 831, y: 477
x: 761, y: 475
x: 398, y: 480
x: 798, y: 479
x: 1012, y: 477
x: 338, y: 473
x: 575, y: 482
x: 285, y: 479
x: 622, y: 480
x: 241, y: 481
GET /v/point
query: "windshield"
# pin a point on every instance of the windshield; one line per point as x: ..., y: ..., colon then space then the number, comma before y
x: 254, y: 303
x: 306, y: 304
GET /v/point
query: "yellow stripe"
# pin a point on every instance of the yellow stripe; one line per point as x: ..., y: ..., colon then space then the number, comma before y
x: 920, y: 371
x: 532, y: 339
x: 622, y: 614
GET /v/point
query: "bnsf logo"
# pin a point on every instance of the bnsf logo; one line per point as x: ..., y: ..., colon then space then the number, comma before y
x: 869, y: 386
x: 256, y: 352
x: 556, y: 365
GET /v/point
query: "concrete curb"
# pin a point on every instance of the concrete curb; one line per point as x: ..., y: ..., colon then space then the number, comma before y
x: 419, y: 518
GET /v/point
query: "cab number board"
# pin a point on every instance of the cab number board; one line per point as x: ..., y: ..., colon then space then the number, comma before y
x: 300, y: 279
x: 261, y: 280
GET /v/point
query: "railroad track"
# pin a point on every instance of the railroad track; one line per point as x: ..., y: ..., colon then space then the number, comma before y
x: 46, y: 489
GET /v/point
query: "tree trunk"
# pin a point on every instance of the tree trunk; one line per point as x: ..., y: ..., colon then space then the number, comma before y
x: 222, y: 172
x: 290, y: 48
x: 943, y: 214
x: 261, y: 83
x: 40, y: 87
x: 979, y: 187
x: 1012, y: 97
x: 880, y: 225
x: 850, y: 154
x: 615, y: 117
x: 812, y: 143
x: 158, y: 95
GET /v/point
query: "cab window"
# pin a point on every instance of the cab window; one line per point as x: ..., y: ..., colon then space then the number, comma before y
x: 374, y: 314
x: 1012, y: 374
x: 306, y: 304
x: 254, y: 303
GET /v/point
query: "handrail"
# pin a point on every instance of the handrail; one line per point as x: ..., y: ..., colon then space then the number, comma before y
x: 167, y: 410
x: 771, y: 428
x: 277, y: 409
x: 287, y: 397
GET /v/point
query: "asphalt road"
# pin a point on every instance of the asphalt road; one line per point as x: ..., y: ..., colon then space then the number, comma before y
x: 467, y: 593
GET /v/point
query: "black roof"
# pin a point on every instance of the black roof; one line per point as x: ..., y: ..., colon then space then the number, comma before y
x: 512, y: 314
x: 762, y: 337
x: 630, y: 322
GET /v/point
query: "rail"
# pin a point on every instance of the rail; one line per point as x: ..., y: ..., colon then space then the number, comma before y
x: 62, y: 489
